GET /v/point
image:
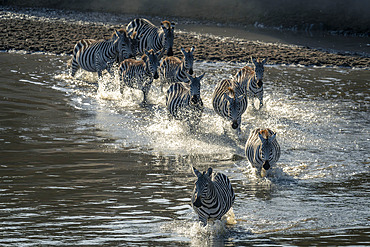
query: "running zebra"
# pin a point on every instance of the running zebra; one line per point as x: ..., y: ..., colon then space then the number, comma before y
x: 262, y: 150
x: 213, y: 195
x: 139, y: 74
x: 96, y: 56
x: 253, y: 80
x: 183, y: 100
x: 152, y: 37
x: 230, y: 102
x: 173, y: 69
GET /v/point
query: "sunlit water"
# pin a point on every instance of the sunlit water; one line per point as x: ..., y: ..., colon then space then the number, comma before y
x: 83, y: 164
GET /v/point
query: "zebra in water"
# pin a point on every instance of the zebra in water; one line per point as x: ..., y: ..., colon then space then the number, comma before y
x: 213, y: 195
x: 252, y: 80
x: 96, y: 56
x: 230, y: 102
x: 173, y: 69
x: 151, y: 36
x: 183, y: 100
x: 262, y: 150
x: 139, y: 74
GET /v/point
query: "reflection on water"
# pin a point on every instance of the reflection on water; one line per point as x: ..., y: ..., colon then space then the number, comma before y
x: 82, y: 164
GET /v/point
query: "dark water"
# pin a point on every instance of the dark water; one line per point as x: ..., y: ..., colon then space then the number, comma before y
x: 83, y: 165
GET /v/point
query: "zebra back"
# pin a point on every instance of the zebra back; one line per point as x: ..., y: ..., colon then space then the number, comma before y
x: 229, y: 102
x: 262, y: 149
x: 95, y: 56
x: 212, y: 196
x: 140, y: 73
x: 173, y: 69
x: 151, y: 36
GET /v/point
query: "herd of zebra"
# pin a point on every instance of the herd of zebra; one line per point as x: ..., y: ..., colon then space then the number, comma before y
x: 213, y: 194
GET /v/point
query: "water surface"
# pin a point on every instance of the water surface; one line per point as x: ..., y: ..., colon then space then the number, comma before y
x: 83, y: 165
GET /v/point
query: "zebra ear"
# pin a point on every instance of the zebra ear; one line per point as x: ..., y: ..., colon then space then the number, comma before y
x: 272, y: 138
x: 192, y: 49
x: 196, y: 172
x: 261, y: 138
x: 254, y: 61
x: 264, y: 61
x: 201, y: 77
x: 241, y: 97
x: 209, y: 172
x: 183, y: 50
x: 227, y: 97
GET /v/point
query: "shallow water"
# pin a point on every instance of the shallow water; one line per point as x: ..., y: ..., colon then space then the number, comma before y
x: 83, y: 165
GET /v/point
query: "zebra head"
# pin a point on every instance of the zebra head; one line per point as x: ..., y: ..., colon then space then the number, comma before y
x: 201, y: 187
x: 194, y: 84
x: 188, y: 59
x: 123, y: 46
x: 152, y: 63
x: 266, y: 148
x: 259, y: 70
x: 134, y: 42
x: 168, y: 28
x: 233, y: 108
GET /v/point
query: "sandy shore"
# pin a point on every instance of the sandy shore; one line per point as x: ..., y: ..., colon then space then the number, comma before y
x: 59, y: 37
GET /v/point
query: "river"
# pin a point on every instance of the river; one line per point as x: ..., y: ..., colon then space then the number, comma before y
x: 82, y: 164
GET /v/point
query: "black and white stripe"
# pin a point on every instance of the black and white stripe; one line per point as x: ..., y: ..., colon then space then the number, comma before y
x: 252, y: 80
x: 139, y: 74
x: 229, y: 101
x: 183, y: 100
x: 213, y: 196
x: 151, y: 36
x: 96, y: 56
x: 262, y: 149
x: 173, y: 69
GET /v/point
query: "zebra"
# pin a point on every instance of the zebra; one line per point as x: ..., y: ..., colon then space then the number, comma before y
x: 96, y: 56
x: 213, y: 196
x: 262, y: 150
x: 230, y: 102
x: 252, y: 80
x: 139, y: 74
x: 151, y: 36
x: 173, y: 69
x: 183, y: 100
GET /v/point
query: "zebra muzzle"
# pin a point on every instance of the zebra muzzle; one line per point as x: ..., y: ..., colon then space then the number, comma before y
x: 235, y: 125
x: 259, y: 83
x: 191, y: 71
x: 156, y: 76
x: 170, y: 52
x: 194, y: 99
x: 266, y: 165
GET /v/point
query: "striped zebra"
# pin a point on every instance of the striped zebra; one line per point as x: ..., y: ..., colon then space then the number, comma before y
x: 139, y: 74
x: 252, y: 79
x: 213, y: 195
x: 230, y: 102
x: 262, y: 150
x: 151, y: 36
x: 96, y: 56
x: 173, y: 69
x: 183, y: 100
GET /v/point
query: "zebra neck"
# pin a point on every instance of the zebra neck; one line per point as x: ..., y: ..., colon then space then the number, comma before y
x: 112, y: 49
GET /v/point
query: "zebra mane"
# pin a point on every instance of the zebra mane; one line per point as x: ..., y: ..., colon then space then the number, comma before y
x: 121, y: 31
x: 166, y: 24
x: 265, y: 133
x: 231, y: 90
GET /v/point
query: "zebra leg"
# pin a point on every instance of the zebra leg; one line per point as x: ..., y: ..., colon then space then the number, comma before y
x: 261, y: 100
x: 75, y: 66
x: 146, y: 89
